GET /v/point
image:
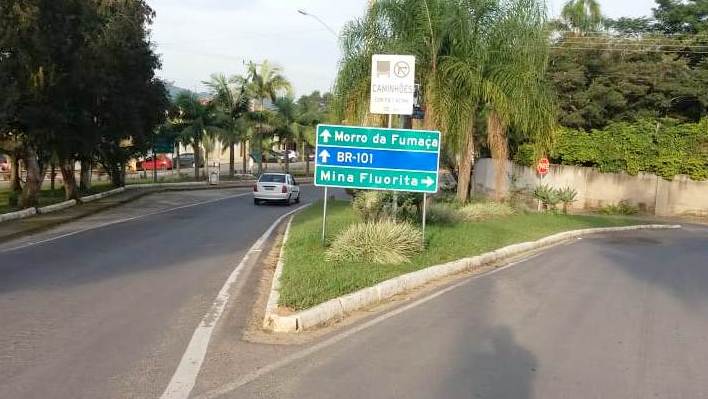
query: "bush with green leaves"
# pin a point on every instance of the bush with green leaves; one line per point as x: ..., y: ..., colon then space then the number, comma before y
x: 369, y: 205
x: 548, y: 196
x: 485, y: 210
x: 378, y: 205
x: 567, y: 195
x: 621, y: 208
x: 442, y: 213
x: 384, y: 242
x: 663, y: 147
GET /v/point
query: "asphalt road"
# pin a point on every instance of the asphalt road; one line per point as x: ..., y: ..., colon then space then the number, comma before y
x: 615, y: 316
x: 90, y: 310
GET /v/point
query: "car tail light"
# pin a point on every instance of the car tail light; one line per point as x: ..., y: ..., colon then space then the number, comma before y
x: 255, y: 188
x: 284, y: 190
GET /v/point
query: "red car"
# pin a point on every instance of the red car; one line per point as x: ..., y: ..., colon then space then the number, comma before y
x: 163, y: 163
x: 4, y: 164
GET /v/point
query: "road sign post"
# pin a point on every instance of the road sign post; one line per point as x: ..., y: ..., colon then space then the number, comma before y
x: 377, y: 159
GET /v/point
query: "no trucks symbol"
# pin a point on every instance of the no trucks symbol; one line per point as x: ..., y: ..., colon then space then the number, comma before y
x: 401, y: 69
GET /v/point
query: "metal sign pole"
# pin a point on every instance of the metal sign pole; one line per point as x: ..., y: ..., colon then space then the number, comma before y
x: 324, y: 218
x: 395, y: 193
x: 425, y: 204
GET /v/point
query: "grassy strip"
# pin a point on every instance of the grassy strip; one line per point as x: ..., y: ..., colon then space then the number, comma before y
x: 49, y: 197
x: 308, y: 279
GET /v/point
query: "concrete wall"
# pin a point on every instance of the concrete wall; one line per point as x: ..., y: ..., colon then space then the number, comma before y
x: 679, y: 197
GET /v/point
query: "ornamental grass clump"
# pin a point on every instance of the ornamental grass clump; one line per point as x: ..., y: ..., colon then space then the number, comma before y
x: 485, y: 210
x: 383, y: 242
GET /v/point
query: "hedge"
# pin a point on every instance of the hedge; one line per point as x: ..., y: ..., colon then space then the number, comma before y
x: 665, y: 147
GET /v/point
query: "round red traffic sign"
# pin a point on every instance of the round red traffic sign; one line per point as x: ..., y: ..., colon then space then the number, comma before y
x: 543, y: 166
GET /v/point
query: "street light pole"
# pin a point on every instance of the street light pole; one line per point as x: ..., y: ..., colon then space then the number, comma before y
x: 307, y: 14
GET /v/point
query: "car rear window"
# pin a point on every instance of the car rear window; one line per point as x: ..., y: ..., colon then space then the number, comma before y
x: 272, y: 179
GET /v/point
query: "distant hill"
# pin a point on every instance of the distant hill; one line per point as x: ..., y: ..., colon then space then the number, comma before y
x: 173, y: 91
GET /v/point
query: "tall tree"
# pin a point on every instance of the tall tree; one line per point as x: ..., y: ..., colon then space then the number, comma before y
x: 266, y: 82
x: 476, y: 60
x: 582, y: 16
x: 196, y: 119
x: 231, y: 96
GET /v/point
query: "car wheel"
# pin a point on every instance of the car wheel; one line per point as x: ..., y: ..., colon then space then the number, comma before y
x: 256, y: 201
x: 289, y: 201
x: 297, y: 199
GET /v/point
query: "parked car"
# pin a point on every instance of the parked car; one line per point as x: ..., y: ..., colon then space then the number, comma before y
x: 163, y: 163
x: 4, y: 164
x: 280, y: 187
x: 186, y: 160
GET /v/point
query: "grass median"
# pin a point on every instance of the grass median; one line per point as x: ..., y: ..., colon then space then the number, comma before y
x: 308, y: 279
x: 49, y: 197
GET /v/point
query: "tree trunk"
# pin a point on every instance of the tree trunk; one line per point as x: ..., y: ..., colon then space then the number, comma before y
x: 287, y: 157
x: 244, y: 158
x: 259, y: 137
x: 68, y: 174
x: 53, y: 175
x: 85, y: 176
x: 15, y: 181
x: 465, y: 177
x: 496, y: 138
x: 33, y: 184
x: 232, y: 159
x: 197, y: 157
x: 178, y: 162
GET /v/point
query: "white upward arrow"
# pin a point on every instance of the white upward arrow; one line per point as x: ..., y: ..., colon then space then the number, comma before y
x: 428, y: 181
x: 325, y: 136
x: 325, y: 156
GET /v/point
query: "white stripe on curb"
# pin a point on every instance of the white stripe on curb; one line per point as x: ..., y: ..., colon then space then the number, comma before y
x: 338, y: 307
x: 185, y: 376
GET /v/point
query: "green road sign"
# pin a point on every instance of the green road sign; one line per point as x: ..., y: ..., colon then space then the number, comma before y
x: 380, y: 159
x: 163, y: 145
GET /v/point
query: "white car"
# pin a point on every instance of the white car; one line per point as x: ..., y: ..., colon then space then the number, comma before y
x: 280, y: 187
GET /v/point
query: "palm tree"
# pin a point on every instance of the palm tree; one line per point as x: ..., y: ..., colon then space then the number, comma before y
x: 265, y: 82
x: 502, y: 71
x: 196, y: 120
x: 231, y: 97
x: 474, y: 59
x: 582, y: 16
x: 287, y: 126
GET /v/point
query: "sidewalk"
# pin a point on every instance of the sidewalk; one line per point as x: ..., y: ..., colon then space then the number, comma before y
x: 17, y: 228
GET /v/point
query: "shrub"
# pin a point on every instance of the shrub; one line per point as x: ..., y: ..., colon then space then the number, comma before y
x: 384, y: 242
x: 13, y: 200
x: 378, y: 205
x: 547, y: 195
x: 369, y: 205
x: 485, y: 210
x: 442, y: 214
x: 567, y: 196
x: 621, y: 208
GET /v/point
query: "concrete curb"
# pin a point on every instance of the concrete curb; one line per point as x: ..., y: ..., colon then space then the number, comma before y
x: 337, y: 308
x: 56, y: 207
x: 25, y: 213
x: 90, y: 198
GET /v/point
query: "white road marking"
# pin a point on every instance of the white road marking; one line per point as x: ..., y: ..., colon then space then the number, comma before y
x: 185, y: 376
x: 230, y: 387
x: 118, y: 222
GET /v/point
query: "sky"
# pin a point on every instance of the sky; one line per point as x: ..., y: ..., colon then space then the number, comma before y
x: 196, y: 38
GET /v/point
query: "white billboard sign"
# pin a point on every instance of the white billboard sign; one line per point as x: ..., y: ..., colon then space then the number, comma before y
x: 392, y: 84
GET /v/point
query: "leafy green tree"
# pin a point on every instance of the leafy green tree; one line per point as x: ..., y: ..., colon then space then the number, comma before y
x: 287, y: 126
x: 266, y: 82
x: 476, y: 60
x: 313, y: 109
x: 674, y: 16
x: 582, y: 16
x: 230, y: 95
x: 196, y: 120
